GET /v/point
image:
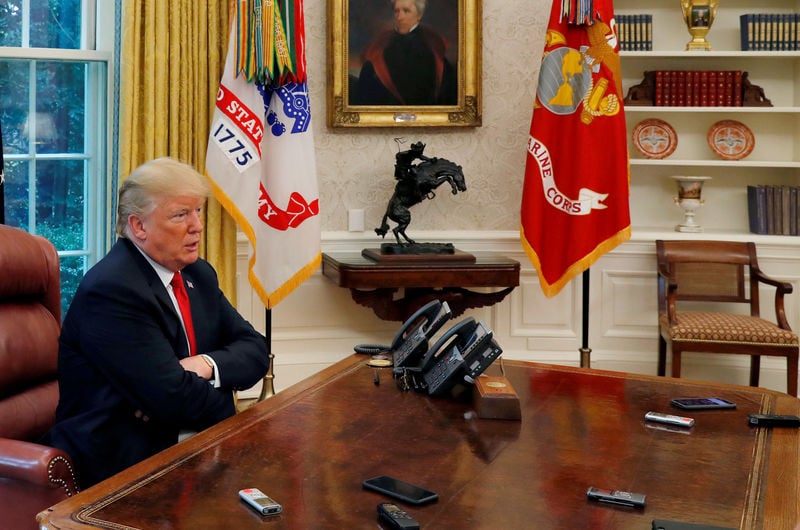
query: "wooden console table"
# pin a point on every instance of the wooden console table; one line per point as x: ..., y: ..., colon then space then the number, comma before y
x: 374, y: 284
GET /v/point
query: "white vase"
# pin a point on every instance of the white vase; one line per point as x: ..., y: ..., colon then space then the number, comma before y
x: 689, y: 199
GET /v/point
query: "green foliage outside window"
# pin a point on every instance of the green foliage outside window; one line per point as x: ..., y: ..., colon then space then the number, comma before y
x: 50, y: 146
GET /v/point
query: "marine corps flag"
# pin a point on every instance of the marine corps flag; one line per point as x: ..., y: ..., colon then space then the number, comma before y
x: 260, y: 149
x: 575, y: 196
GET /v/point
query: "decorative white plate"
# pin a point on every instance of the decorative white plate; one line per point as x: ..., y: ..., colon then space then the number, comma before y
x: 654, y: 138
x: 730, y: 139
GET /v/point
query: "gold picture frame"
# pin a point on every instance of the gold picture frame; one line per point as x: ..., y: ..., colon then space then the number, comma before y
x: 345, y: 62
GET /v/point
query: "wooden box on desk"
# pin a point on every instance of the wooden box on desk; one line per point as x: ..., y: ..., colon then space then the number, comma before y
x: 495, y: 398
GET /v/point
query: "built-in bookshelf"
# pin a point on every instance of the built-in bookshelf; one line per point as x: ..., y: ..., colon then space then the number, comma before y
x: 775, y: 157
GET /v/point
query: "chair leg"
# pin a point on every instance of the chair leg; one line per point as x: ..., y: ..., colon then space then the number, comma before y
x: 676, y: 362
x: 791, y: 375
x: 662, y: 356
x: 755, y: 369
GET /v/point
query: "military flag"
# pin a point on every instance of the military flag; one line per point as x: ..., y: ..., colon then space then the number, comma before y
x: 261, y: 151
x: 576, y: 190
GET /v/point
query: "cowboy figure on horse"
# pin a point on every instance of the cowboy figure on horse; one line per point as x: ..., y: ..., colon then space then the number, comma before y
x: 404, y: 160
x: 416, y: 182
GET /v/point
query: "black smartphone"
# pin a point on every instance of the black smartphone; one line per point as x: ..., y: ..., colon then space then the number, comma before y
x: 663, y: 524
x: 703, y: 403
x: 773, y: 420
x: 400, y: 490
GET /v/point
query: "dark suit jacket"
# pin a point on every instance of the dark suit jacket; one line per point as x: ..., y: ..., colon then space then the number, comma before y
x: 120, y: 347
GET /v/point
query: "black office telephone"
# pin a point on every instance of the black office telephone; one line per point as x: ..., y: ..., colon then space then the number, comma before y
x: 460, y: 355
x: 411, y: 341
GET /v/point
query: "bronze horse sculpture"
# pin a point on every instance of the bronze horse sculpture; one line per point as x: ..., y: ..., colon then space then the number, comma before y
x: 414, y: 184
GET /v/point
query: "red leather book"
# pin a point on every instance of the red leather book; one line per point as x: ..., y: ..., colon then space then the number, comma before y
x: 702, y: 83
x: 724, y: 87
x: 680, y: 88
x: 727, y: 101
x: 711, y: 82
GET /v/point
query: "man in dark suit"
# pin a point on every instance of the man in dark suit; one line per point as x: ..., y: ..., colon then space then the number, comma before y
x: 127, y: 379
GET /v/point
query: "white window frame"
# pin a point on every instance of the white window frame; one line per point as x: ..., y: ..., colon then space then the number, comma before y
x: 99, y: 30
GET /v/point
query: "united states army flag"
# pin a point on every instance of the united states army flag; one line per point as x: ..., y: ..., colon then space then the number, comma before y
x: 576, y: 191
x: 261, y: 151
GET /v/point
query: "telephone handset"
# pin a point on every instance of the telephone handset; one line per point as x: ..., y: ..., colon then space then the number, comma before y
x: 411, y: 341
x: 459, y: 356
x: 462, y: 329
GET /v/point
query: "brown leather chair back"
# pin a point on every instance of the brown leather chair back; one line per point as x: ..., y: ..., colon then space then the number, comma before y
x: 32, y: 476
x: 30, y: 322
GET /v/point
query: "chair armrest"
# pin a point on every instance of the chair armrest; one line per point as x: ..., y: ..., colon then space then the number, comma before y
x: 663, y: 271
x: 670, y: 288
x: 781, y: 289
x: 37, y: 464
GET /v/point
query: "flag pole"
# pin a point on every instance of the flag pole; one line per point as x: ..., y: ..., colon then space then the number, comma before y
x: 585, y: 350
x: 268, y: 385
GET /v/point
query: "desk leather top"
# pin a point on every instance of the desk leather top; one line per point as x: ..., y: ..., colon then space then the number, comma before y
x: 311, y: 446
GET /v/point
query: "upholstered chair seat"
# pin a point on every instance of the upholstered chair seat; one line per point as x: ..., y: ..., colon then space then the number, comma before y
x: 727, y: 328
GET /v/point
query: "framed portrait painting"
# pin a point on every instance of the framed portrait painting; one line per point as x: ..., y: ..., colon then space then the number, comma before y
x: 404, y: 63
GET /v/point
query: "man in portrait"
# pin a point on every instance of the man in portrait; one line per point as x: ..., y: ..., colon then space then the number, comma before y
x: 403, y: 52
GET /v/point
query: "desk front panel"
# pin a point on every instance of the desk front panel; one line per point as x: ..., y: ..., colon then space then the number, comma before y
x: 311, y: 446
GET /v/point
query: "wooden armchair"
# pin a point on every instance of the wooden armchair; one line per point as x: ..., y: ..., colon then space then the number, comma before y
x: 32, y: 476
x: 725, y: 274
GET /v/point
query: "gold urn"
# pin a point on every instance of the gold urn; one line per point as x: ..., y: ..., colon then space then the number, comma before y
x: 698, y: 16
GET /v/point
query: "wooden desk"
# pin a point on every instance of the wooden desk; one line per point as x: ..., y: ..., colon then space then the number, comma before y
x: 375, y: 284
x: 311, y: 446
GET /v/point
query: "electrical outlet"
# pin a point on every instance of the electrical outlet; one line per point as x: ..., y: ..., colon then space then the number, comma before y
x: 355, y: 220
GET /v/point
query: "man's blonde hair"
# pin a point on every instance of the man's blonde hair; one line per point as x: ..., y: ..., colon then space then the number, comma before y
x: 161, y: 177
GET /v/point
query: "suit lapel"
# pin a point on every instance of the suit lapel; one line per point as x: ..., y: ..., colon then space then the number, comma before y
x: 171, y: 318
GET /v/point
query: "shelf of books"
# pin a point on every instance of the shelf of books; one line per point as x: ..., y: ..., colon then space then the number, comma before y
x: 731, y: 113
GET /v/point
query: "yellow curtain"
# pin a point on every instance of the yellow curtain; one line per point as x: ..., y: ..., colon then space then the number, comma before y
x: 172, y: 57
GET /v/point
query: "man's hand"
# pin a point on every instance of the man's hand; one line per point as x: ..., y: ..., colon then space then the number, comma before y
x: 198, y: 365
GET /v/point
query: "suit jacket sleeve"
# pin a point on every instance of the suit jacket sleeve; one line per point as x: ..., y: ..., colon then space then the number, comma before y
x: 238, y: 350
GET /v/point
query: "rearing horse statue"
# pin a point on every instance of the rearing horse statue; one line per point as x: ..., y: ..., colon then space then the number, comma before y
x: 416, y: 183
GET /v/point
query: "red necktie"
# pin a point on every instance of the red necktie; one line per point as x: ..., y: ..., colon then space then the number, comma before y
x: 186, y: 311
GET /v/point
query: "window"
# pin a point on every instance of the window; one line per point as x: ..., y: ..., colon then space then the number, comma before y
x: 54, y: 97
